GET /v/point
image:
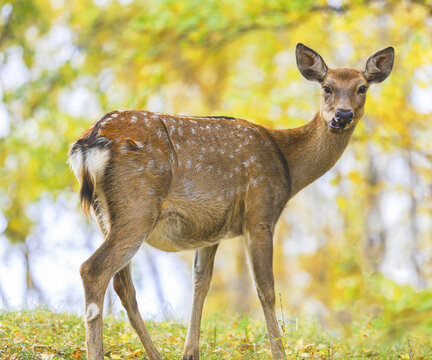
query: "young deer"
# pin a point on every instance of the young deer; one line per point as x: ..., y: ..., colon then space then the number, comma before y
x: 183, y: 182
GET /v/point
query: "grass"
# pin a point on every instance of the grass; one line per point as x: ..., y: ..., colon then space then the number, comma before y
x: 44, y: 335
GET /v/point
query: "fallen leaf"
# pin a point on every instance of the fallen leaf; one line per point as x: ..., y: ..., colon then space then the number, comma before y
x: 77, y: 354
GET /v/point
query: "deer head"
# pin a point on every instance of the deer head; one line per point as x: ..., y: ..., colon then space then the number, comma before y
x: 344, y: 90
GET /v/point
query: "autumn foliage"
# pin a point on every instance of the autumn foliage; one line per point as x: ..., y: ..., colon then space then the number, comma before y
x: 355, y: 247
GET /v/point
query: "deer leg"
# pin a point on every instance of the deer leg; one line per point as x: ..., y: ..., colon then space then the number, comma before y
x: 96, y: 272
x: 202, y: 274
x: 260, y: 249
x: 125, y: 289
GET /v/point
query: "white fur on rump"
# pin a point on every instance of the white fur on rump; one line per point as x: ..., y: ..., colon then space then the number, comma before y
x: 76, y: 163
x: 95, y: 162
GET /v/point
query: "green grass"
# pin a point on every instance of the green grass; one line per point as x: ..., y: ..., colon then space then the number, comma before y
x: 43, y: 335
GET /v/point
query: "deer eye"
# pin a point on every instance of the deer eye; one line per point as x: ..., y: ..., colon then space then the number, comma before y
x: 327, y: 90
x: 362, y: 89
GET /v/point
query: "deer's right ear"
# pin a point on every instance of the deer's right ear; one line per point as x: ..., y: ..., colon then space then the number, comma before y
x: 310, y: 63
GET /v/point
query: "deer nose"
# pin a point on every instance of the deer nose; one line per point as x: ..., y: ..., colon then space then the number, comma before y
x: 344, y: 115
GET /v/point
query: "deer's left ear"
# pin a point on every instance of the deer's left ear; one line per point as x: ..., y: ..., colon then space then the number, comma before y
x: 379, y: 65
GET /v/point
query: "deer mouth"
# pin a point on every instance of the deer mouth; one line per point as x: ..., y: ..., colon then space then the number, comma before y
x: 336, y: 125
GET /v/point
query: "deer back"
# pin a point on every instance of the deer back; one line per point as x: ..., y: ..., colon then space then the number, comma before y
x: 203, y: 176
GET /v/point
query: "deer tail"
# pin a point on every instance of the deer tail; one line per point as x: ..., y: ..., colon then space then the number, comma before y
x: 88, y: 162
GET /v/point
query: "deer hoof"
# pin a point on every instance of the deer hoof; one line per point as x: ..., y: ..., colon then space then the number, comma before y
x: 189, y: 357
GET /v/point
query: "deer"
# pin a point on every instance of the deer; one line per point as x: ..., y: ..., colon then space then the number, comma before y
x: 182, y: 182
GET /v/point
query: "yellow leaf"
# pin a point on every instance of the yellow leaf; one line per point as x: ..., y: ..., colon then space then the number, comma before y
x: 77, y: 354
x: 139, y: 352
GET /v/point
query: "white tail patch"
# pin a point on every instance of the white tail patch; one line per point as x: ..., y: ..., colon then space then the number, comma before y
x: 95, y: 162
x: 76, y: 163
x: 92, y: 311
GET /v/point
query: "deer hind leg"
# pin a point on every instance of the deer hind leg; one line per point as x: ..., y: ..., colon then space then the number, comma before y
x: 260, y: 249
x: 125, y: 289
x: 202, y: 273
x: 122, y: 242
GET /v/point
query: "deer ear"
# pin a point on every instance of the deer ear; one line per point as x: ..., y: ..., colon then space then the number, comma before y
x: 310, y: 63
x: 379, y: 66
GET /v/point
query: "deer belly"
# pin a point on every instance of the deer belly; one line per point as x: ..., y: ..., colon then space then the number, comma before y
x: 177, y: 234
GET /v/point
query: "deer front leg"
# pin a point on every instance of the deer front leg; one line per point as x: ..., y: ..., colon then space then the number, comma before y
x: 260, y: 249
x: 124, y: 287
x: 202, y: 274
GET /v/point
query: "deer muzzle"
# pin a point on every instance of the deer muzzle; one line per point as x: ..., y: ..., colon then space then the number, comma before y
x: 343, y: 117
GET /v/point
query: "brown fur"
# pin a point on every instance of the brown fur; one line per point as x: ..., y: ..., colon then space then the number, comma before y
x: 181, y: 183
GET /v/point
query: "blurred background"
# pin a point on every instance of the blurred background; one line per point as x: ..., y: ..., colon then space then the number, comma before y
x: 356, y: 243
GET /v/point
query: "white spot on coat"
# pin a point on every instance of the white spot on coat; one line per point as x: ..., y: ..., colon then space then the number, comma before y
x: 124, y: 149
x: 188, y: 186
x: 255, y: 181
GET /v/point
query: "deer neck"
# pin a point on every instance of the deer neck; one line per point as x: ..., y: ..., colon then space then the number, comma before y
x: 311, y: 150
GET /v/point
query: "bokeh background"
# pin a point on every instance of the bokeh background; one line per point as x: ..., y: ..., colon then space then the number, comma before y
x: 356, y: 243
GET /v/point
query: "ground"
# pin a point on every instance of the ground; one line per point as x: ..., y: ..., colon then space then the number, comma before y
x: 45, y: 335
